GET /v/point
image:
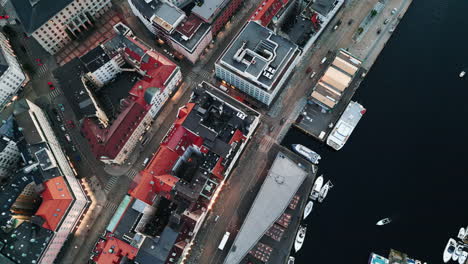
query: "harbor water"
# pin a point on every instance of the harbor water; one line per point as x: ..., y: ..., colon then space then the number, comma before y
x: 408, y: 158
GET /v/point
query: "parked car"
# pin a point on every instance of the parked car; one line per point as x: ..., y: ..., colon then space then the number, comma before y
x: 58, y: 118
x: 63, y: 128
x: 386, y: 21
x: 394, y: 10
x: 68, y: 137
x: 51, y: 85
x: 73, y: 148
x: 70, y: 124
x: 337, y: 25
x: 62, y: 108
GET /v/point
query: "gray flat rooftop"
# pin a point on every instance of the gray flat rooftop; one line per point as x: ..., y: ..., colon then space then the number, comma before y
x: 209, y: 9
x: 323, y: 6
x: 34, y: 16
x: 281, y: 184
x: 259, y: 55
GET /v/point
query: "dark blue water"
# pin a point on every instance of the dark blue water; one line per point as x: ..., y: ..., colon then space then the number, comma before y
x: 408, y: 158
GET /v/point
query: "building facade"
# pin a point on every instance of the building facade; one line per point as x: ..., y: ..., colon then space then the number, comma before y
x: 12, y: 76
x: 188, y: 34
x: 55, y: 23
x: 122, y: 86
x: 9, y: 157
x: 50, y: 160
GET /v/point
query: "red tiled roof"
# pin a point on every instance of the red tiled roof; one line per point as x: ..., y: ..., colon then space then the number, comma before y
x: 218, y: 169
x: 183, y: 113
x: 267, y: 10
x: 236, y: 137
x: 158, y: 70
x: 108, y: 142
x: 189, y: 26
x: 113, y: 250
x: 151, y: 182
x: 56, y: 199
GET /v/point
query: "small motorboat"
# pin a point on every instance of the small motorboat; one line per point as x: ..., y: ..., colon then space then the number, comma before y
x: 324, y: 191
x: 462, y: 258
x: 291, y: 260
x: 457, y: 253
x: 449, y: 250
x: 384, y: 221
x: 461, y: 233
x: 308, y: 209
x: 300, y: 238
x: 462, y: 73
x: 314, y: 194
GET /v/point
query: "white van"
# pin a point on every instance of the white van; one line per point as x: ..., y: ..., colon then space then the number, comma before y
x: 145, y: 162
x: 323, y: 60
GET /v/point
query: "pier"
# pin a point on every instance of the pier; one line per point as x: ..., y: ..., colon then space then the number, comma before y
x: 365, y: 44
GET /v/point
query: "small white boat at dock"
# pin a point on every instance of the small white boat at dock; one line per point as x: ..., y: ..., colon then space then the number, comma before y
x: 308, y: 209
x: 314, y: 194
x: 300, y: 238
x: 384, y: 221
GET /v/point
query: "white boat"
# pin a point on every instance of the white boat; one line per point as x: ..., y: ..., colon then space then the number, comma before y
x: 449, y: 250
x: 324, y: 191
x: 384, y: 221
x: 457, y: 253
x: 461, y: 233
x: 345, y: 126
x: 462, y: 73
x: 291, y: 260
x: 308, y: 209
x: 317, y: 187
x: 300, y: 238
x: 462, y: 258
x: 309, y: 154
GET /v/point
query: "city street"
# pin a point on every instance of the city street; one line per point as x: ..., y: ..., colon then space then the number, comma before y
x: 110, y: 183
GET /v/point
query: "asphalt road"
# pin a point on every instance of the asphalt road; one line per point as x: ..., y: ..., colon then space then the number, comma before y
x: 245, y: 178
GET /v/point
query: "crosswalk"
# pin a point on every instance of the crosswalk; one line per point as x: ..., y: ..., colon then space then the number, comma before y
x: 110, y: 204
x: 110, y: 184
x: 42, y: 70
x: 266, y: 143
x: 201, y: 74
x: 54, y: 94
x: 131, y: 174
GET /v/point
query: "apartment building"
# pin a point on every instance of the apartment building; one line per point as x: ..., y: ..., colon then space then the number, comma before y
x: 258, y: 62
x: 54, y: 23
x: 124, y: 86
x: 11, y: 75
x: 63, y: 199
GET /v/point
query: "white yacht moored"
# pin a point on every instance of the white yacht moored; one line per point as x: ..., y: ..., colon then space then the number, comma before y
x: 300, y: 238
x: 291, y: 260
x: 308, y: 209
x: 462, y: 73
x: 345, y: 126
x: 307, y: 153
x: 449, y: 249
x: 384, y: 221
